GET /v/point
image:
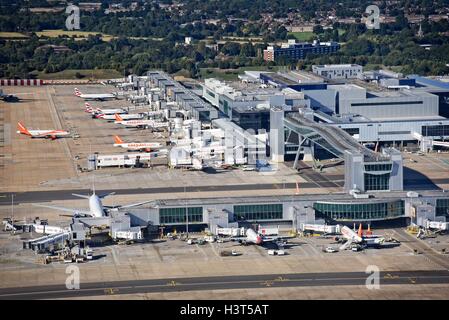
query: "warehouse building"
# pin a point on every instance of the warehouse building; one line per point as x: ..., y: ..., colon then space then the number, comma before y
x: 338, y: 71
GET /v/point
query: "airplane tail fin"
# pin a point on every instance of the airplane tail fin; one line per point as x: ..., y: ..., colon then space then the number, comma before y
x: 360, y: 232
x: 77, y: 92
x: 22, y: 129
x: 369, y: 232
x: 88, y: 107
x: 118, y: 118
x: 117, y: 140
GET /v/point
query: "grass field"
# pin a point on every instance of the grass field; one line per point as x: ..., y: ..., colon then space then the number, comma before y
x: 77, y: 34
x: 232, y: 74
x: 70, y: 74
x: 6, y: 35
x: 308, y: 35
x: 302, y: 36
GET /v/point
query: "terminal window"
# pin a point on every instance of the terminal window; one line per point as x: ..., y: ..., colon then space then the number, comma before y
x: 258, y: 212
x: 178, y: 215
x: 442, y: 130
x: 359, y: 211
x: 352, y: 131
x: 377, y: 182
x: 442, y: 207
x: 378, y: 167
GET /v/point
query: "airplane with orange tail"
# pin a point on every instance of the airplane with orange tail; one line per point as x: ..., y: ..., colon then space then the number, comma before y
x: 136, y: 146
x: 139, y: 123
x: 47, y: 134
x: 360, y: 237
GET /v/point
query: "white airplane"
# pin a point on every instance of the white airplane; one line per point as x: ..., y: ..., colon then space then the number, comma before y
x: 47, y: 134
x: 100, y: 112
x: 94, y: 96
x: 96, y: 207
x: 145, y: 146
x: 111, y: 117
x: 252, y: 237
x: 359, y: 237
x: 139, y: 123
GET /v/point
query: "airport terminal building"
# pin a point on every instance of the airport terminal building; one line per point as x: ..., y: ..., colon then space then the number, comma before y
x: 291, y: 211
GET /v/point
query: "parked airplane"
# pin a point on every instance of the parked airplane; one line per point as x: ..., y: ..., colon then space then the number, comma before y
x: 359, y: 237
x: 252, y: 237
x: 96, y: 207
x: 94, y: 96
x: 47, y: 134
x: 139, y: 123
x: 111, y: 117
x: 99, y: 112
x: 142, y: 146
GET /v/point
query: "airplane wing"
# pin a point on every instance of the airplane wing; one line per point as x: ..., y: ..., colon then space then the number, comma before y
x: 84, y: 212
x: 80, y: 195
x: 275, y: 238
x: 104, y: 195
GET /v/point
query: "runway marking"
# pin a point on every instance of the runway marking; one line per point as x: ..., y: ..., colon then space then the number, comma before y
x: 389, y: 276
x: 173, y: 283
x: 110, y: 291
x: 267, y: 283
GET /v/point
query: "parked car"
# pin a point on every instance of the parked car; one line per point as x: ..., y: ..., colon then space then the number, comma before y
x: 330, y: 250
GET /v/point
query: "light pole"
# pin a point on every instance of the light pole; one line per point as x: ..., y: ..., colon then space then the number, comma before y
x: 12, y: 213
x: 187, y: 214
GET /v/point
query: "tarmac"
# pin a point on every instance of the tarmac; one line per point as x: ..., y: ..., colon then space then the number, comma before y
x: 39, y: 170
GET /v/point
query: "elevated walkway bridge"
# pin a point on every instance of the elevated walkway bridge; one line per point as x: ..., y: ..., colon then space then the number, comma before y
x: 333, y: 139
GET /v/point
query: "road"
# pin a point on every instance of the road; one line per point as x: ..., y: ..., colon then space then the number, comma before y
x: 437, y: 259
x: 53, y: 195
x: 224, y: 282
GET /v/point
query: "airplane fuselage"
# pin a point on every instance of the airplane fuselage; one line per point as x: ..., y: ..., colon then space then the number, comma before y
x: 95, y: 206
x: 45, y: 133
x: 99, y: 97
x: 138, y: 146
x: 111, y: 116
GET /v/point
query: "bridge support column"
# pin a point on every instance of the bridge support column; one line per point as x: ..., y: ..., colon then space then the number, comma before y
x: 298, y: 153
x: 277, y: 144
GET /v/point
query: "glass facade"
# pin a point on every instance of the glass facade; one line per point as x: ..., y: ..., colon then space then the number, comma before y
x: 258, y: 212
x: 441, y: 130
x: 442, y: 208
x: 352, y: 131
x: 377, y: 182
x: 378, y: 167
x: 359, y: 211
x: 178, y: 215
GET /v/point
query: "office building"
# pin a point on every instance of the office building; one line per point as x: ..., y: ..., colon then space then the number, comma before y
x: 296, y: 51
x: 338, y: 71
